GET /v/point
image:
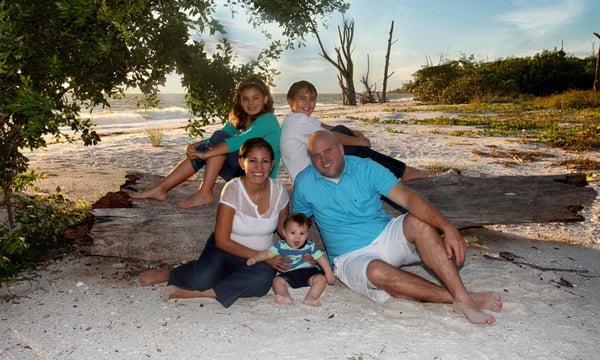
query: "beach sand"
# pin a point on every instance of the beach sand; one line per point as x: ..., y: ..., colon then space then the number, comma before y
x: 90, y: 307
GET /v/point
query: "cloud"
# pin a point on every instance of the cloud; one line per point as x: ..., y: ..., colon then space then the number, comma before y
x: 537, y: 20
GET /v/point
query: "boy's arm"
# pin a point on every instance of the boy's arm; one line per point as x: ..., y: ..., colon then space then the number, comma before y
x: 261, y: 256
x: 324, y: 264
x: 358, y: 139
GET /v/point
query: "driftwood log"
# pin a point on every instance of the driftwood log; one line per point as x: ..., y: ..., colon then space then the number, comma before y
x: 159, y: 231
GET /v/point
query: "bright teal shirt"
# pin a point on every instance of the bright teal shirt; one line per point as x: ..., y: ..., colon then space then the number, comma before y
x: 265, y: 126
x: 349, y: 214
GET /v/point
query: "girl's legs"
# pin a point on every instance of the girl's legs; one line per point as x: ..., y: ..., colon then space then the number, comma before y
x: 186, y: 168
x: 282, y: 294
x: 204, y: 195
x: 178, y: 175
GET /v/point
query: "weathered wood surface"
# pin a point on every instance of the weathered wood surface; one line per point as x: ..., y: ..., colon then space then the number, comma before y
x: 159, y: 231
x: 151, y: 230
x: 470, y: 202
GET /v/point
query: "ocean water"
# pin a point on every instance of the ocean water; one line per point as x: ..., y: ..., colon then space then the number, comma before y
x: 127, y: 112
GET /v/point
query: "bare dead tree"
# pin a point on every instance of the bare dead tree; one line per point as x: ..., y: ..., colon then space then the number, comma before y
x: 386, y: 76
x: 597, y: 75
x: 343, y: 62
x: 370, y: 89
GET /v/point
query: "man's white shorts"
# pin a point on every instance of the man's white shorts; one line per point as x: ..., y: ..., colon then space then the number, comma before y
x: 390, y: 246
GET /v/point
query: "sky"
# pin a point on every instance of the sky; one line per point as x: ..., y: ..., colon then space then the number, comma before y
x: 423, y: 29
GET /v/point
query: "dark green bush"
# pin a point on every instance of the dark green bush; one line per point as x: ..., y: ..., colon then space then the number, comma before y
x: 41, y: 223
x: 465, y: 80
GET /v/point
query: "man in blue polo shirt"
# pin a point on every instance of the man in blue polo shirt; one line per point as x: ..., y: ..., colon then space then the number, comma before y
x: 367, y: 246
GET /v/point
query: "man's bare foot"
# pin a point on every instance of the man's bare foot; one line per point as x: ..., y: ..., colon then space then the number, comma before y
x: 487, y: 300
x: 473, y: 314
x: 155, y: 193
x: 198, y: 199
x: 283, y: 299
x: 309, y: 300
x: 154, y: 276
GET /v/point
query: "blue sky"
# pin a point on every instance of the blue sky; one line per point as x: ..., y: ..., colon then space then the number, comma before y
x: 488, y: 29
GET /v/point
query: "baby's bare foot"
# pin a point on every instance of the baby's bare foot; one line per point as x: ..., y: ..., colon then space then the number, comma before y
x: 487, y: 300
x: 309, y: 300
x: 283, y: 300
x: 473, y: 314
x: 154, y: 193
x: 196, y: 200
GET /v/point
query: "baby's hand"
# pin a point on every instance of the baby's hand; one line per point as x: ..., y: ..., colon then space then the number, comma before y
x: 251, y: 261
x: 330, y: 278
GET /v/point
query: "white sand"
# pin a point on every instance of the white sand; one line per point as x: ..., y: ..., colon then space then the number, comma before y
x: 88, y: 307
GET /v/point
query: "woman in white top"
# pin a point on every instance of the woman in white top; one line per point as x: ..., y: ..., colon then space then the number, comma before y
x: 251, y: 208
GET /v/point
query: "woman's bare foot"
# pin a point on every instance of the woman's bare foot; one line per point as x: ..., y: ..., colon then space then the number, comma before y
x: 155, y: 193
x: 487, y: 301
x: 284, y: 300
x: 173, y: 292
x: 309, y: 300
x: 473, y: 314
x: 154, y: 276
x: 198, y: 199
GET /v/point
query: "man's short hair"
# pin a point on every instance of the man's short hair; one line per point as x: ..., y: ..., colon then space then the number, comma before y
x: 301, y: 85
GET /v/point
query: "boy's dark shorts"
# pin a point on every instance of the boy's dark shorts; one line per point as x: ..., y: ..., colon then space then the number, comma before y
x: 299, y: 278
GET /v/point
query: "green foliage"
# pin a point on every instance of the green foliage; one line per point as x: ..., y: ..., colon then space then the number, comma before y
x: 42, y: 221
x: 580, y: 137
x: 465, y: 80
x: 576, y: 99
x: 155, y: 135
x: 59, y: 56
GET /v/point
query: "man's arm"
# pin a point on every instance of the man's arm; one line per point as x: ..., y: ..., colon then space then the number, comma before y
x: 420, y: 208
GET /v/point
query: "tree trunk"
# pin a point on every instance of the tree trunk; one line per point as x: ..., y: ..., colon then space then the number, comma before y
x: 387, y: 65
x: 159, y: 231
x: 597, y: 74
x: 343, y: 62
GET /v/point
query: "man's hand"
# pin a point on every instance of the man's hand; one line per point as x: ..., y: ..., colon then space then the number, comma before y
x: 251, y: 261
x: 278, y: 263
x: 455, y: 244
x: 330, y: 278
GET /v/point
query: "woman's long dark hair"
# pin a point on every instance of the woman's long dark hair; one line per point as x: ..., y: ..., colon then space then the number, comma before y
x: 256, y: 143
x: 237, y: 116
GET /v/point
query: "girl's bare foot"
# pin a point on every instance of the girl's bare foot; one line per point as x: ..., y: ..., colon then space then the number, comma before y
x: 154, y: 276
x: 487, y: 301
x: 155, y: 193
x: 283, y: 299
x: 309, y: 300
x: 473, y: 314
x: 198, y: 199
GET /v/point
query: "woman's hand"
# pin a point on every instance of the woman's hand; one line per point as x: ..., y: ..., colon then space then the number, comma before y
x: 278, y: 263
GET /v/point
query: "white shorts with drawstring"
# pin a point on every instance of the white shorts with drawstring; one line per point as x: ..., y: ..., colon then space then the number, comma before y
x: 390, y: 246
